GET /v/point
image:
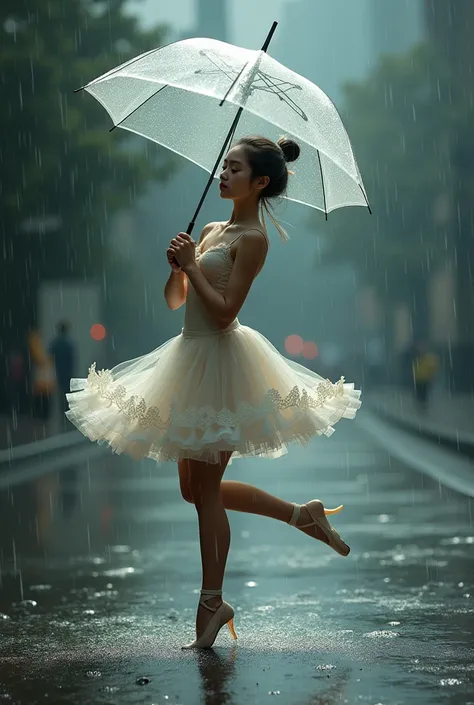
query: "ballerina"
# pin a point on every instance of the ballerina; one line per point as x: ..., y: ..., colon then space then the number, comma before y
x: 220, y: 389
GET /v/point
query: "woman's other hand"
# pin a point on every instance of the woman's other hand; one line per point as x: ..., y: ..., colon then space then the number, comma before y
x: 183, y: 248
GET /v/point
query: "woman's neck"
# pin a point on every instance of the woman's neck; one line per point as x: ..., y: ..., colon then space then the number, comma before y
x: 244, y: 212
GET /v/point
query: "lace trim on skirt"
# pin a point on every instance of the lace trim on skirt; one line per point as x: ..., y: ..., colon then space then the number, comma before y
x: 135, y: 408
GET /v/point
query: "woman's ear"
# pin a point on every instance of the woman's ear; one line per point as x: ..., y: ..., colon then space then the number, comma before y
x: 262, y: 182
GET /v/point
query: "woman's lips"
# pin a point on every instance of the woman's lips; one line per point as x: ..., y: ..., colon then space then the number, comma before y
x: 221, y: 185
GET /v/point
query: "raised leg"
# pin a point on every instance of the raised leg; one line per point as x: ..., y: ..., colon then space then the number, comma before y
x: 241, y: 497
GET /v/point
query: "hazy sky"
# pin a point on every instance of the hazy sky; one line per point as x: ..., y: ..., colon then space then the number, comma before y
x: 250, y: 20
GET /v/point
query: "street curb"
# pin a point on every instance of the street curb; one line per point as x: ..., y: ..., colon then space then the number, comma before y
x: 42, y: 447
x: 461, y: 442
x: 451, y: 470
x: 27, y: 470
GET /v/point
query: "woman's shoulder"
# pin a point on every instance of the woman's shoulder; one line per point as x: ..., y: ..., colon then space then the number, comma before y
x: 253, y: 244
x: 253, y: 230
x: 254, y: 234
x: 209, y: 227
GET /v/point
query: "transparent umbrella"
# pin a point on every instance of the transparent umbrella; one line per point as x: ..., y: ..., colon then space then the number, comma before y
x: 194, y: 96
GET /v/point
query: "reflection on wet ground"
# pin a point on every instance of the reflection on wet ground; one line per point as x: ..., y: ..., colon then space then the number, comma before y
x: 100, y: 573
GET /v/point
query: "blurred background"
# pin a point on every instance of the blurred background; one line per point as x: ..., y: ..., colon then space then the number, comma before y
x: 99, y: 559
x: 384, y: 299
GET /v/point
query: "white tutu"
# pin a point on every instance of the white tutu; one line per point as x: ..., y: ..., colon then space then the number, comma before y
x: 196, y: 396
x: 206, y: 391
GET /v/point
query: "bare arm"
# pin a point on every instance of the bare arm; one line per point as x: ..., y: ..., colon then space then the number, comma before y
x: 176, y: 288
x: 223, y: 308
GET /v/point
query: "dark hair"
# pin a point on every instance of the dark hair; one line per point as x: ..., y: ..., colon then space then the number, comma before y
x: 267, y: 158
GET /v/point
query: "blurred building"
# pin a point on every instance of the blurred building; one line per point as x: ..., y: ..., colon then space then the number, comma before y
x: 395, y: 25
x: 332, y: 42
x: 211, y: 21
x: 314, y: 41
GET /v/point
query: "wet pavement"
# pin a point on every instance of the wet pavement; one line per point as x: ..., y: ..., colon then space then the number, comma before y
x: 100, y: 572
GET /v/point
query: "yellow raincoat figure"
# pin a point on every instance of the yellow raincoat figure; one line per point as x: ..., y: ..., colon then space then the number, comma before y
x: 425, y: 369
x: 43, y: 376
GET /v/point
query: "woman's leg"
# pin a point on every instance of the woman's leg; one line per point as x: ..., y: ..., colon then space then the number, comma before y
x: 214, y: 530
x: 241, y: 497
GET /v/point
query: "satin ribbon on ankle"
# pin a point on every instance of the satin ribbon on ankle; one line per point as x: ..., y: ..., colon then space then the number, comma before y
x: 296, y: 514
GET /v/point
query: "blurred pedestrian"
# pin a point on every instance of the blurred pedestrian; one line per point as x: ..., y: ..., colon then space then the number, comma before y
x: 63, y: 351
x: 406, y: 359
x: 16, y: 378
x: 425, y: 368
x: 43, y: 380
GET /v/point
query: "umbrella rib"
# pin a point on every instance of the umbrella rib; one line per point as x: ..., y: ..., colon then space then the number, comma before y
x: 272, y: 83
x: 366, y: 199
x: 322, y: 184
x: 138, y: 106
x: 278, y: 86
x: 272, y: 87
x: 119, y: 68
x: 230, y: 68
x: 352, y: 151
x: 219, y: 68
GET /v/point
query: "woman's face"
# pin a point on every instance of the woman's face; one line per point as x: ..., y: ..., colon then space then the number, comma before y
x: 236, y: 177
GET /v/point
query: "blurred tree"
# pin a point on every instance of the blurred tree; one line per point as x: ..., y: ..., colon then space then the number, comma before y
x: 62, y: 174
x: 399, y: 121
x: 449, y: 24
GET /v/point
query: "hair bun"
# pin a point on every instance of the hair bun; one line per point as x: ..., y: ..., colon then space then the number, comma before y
x: 290, y: 149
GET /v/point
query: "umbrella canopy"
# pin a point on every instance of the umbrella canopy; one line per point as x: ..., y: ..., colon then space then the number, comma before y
x: 186, y: 95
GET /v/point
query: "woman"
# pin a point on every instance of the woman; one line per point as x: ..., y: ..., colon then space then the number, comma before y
x: 219, y: 389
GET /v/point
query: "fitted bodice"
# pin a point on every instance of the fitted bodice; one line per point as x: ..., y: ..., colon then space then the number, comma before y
x: 216, y: 264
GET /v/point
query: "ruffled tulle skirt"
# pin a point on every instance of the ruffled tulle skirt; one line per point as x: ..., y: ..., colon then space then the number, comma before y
x: 198, y: 395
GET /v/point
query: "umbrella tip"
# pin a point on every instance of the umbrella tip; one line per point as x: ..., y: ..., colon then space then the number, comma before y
x: 270, y: 35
